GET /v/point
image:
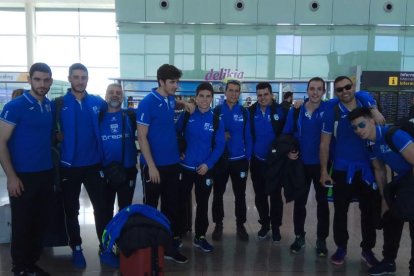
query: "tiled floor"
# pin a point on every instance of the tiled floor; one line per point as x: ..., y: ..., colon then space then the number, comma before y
x: 231, y: 257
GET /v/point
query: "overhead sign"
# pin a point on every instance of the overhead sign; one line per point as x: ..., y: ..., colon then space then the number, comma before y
x: 384, y: 79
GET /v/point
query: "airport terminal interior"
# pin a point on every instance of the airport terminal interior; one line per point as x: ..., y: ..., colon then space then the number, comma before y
x: 285, y: 42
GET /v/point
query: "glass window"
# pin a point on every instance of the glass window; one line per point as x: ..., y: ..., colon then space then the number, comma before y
x: 212, y: 62
x: 247, y: 64
x: 99, y: 51
x: 344, y: 44
x: 97, y: 23
x: 312, y: 66
x: 184, y: 62
x: 210, y: 44
x: 132, y: 43
x: 386, y: 43
x: 184, y: 44
x: 153, y: 62
x: 157, y: 44
x: 12, y: 22
x: 99, y: 78
x: 261, y: 68
x: 409, y: 46
x: 246, y: 45
x: 228, y: 44
x: 283, y: 67
x: 228, y: 62
x: 13, y: 50
x: 316, y: 45
x: 57, y: 51
x: 287, y: 45
x: 263, y: 44
x: 132, y: 66
x: 57, y: 22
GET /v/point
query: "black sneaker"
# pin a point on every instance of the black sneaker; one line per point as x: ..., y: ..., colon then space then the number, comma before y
x: 262, y: 234
x: 276, y: 237
x: 218, y: 232
x: 177, y: 257
x: 242, y: 233
x: 383, y: 268
x: 177, y: 243
x: 321, y: 250
x: 31, y: 271
x: 369, y: 257
x: 298, y: 244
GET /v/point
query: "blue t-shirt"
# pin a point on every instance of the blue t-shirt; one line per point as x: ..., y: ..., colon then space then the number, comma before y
x: 111, y: 137
x: 383, y: 152
x: 157, y: 113
x: 30, y: 142
x: 349, y: 149
x: 198, y: 136
x: 308, y: 131
x: 263, y: 130
x: 240, y: 143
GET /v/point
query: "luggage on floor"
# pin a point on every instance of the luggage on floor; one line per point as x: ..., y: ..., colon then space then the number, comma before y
x: 143, y: 262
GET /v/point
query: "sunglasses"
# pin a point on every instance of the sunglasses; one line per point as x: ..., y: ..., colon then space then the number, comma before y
x: 360, y: 125
x: 340, y: 89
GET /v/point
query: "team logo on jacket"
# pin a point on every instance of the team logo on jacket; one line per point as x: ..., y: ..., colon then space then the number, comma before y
x: 114, y: 128
x: 208, y: 127
x: 95, y: 109
x: 238, y: 118
x: 276, y: 117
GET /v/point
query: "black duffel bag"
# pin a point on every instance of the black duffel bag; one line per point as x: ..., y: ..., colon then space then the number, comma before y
x: 116, y: 174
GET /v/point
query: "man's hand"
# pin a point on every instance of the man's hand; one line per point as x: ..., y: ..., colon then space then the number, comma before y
x: 15, y: 186
x: 378, y: 117
x: 202, y: 169
x: 298, y: 103
x: 325, y: 178
x: 189, y: 107
x: 154, y: 174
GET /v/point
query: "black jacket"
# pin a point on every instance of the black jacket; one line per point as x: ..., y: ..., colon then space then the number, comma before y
x: 283, y: 172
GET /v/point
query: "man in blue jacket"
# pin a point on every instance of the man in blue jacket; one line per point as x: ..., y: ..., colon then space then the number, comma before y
x: 204, y: 137
x: 160, y: 158
x: 81, y: 156
x: 25, y: 140
x: 239, y: 150
x: 267, y: 119
x: 352, y: 173
x: 305, y: 124
x: 401, y: 162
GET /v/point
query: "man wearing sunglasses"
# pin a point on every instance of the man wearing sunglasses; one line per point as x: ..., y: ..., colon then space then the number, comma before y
x: 352, y: 175
x: 401, y: 162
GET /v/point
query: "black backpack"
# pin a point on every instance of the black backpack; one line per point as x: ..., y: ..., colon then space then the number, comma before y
x: 406, y: 125
x: 277, y: 125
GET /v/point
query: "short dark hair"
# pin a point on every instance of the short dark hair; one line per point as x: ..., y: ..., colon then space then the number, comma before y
x: 40, y: 67
x: 287, y: 95
x: 168, y: 71
x: 77, y: 66
x: 359, y: 112
x: 236, y: 82
x: 264, y: 85
x: 341, y: 78
x: 316, y: 79
x: 205, y: 86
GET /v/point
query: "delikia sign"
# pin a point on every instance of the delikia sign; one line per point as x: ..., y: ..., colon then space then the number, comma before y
x: 224, y: 73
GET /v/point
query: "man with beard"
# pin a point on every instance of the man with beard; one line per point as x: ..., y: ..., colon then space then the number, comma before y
x: 77, y: 121
x: 25, y: 139
x: 352, y: 174
x: 117, y: 128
